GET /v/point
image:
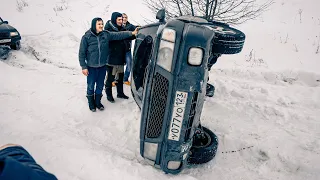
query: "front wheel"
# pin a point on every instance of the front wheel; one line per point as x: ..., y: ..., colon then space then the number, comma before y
x: 204, y: 147
x: 16, y: 45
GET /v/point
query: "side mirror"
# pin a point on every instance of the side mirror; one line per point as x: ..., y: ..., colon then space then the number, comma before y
x: 5, y: 22
x: 161, y: 15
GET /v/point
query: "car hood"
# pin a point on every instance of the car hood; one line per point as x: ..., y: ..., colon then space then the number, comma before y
x: 6, y: 27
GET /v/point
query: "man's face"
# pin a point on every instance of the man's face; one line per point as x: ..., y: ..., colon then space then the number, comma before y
x: 125, y: 18
x: 119, y: 21
x: 99, y: 26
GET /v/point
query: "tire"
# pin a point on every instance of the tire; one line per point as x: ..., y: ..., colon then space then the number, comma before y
x: 204, y: 153
x: 16, y: 45
x: 141, y: 61
x: 4, y: 52
x: 227, y: 40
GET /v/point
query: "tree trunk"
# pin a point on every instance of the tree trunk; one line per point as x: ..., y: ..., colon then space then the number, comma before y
x: 214, y: 9
x: 178, y: 4
x: 207, y: 9
x: 191, y: 7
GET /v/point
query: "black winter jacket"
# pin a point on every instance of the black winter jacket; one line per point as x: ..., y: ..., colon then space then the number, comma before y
x: 117, y: 48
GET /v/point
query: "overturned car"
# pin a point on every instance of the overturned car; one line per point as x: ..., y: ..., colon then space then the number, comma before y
x: 169, y: 78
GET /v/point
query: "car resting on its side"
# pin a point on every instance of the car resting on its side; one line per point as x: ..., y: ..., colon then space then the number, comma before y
x: 169, y: 79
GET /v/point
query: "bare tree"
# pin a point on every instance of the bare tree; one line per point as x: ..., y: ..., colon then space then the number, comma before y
x: 229, y: 11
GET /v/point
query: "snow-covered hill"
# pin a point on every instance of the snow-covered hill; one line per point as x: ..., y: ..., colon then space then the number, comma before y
x: 266, y: 109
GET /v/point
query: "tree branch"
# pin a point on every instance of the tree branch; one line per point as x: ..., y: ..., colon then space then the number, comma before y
x: 230, y: 11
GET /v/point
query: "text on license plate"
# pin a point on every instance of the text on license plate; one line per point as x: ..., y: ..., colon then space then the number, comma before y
x: 5, y: 40
x: 177, y: 115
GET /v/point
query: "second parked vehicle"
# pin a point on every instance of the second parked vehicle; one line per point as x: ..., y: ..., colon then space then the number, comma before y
x: 9, y: 36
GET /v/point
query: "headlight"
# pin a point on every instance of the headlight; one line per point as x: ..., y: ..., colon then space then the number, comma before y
x: 150, y: 150
x: 169, y: 34
x: 166, y: 48
x: 14, y: 33
x: 195, y: 56
x: 165, y: 55
x: 174, y: 165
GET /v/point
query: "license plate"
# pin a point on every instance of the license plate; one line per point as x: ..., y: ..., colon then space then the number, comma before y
x: 177, y: 115
x: 5, y: 40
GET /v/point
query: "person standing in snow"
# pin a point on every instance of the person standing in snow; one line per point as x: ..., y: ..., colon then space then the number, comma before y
x: 17, y: 164
x: 128, y: 27
x: 93, y: 55
x: 116, y: 60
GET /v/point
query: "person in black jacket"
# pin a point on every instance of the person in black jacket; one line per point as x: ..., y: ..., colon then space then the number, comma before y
x: 93, y: 55
x: 17, y: 164
x: 116, y: 60
x: 128, y: 27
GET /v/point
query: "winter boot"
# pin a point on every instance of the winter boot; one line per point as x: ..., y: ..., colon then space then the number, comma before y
x: 127, y: 83
x: 210, y: 90
x: 109, y: 94
x: 122, y: 96
x: 120, y: 91
x: 92, y: 105
x: 97, y: 99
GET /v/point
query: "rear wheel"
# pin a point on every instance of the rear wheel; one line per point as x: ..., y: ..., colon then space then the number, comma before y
x: 227, y: 40
x: 16, y: 45
x: 204, y: 147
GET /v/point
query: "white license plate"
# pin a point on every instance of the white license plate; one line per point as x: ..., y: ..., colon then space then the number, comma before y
x: 177, y: 115
x: 5, y: 40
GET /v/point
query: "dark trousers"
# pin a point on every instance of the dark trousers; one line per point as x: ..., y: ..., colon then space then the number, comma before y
x: 110, y: 79
x: 128, y: 66
x: 95, y: 80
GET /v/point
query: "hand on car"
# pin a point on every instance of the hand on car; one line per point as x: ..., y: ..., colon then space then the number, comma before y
x: 135, y: 32
x: 85, y: 72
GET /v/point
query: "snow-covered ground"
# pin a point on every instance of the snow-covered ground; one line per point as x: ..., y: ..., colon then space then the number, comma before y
x: 266, y: 106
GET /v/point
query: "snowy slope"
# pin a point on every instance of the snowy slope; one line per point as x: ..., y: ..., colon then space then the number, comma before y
x: 266, y: 108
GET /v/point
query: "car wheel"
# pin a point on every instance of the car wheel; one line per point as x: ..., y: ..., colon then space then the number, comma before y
x: 4, y: 52
x: 16, y: 46
x: 141, y: 61
x: 227, y: 40
x: 204, y: 148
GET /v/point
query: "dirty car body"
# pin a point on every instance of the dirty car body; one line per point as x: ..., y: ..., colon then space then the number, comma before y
x: 169, y: 77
